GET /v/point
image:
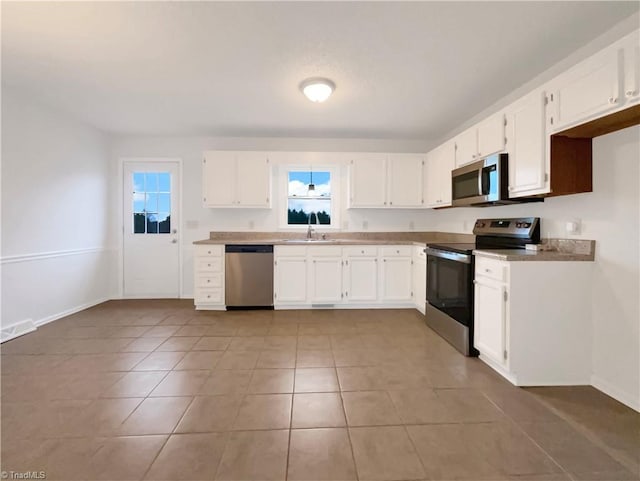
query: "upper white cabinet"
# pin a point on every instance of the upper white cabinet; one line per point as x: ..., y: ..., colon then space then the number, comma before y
x: 631, y: 46
x: 383, y: 181
x: 236, y: 179
x: 486, y: 138
x: 437, y: 175
x: 526, y: 145
x: 589, y: 89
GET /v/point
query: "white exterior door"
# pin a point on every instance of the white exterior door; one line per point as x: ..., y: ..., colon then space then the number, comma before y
x: 151, y: 219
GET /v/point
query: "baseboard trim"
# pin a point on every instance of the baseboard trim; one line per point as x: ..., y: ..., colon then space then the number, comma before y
x: 68, y: 312
x: 17, y: 329
x: 616, y: 393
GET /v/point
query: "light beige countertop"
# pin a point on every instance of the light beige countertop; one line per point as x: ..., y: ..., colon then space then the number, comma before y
x: 562, y: 251
x: 305, y: 242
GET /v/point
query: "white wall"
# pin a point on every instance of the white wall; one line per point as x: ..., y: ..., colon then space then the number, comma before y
x: 610, y: 215
x: 205, y: 220
x: 55, y: 212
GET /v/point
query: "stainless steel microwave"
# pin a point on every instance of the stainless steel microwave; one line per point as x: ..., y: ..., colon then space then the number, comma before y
x: 481, y: 183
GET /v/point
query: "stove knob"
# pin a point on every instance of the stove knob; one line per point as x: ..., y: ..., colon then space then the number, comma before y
x: 526, y: 225
x: 518, y: 225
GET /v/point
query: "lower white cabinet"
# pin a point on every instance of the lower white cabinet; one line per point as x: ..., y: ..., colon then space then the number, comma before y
x: 396, y: 274
x: 325, y: 275
x: 343, y: 276
x: 290, y: 275
x: 360, y: 275
x: 419, y: 271
x: 532, y: 320
x: 209, y: 277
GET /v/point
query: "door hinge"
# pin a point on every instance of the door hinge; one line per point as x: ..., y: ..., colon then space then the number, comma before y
x: 551, y: 120
x: 346, y: 263
x: 341, y: 296
x: 204, y: 199
x: 412, y: 294
x: 505, y: 121
x: 504, y: 354
x: 412, y: 262
x: 505, y: 295
x: 275, y: 295
x: 505, y: 141
x: 546, y: 100
x: 423, y: 162
x: 552, y: 97
x: 275, y: 263
x: 204, y: 161
x: 346, y: 294
x: 342, y: 263
x: 546, y: 177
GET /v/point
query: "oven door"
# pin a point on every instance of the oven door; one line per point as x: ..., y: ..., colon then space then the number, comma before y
x: 450, y: 284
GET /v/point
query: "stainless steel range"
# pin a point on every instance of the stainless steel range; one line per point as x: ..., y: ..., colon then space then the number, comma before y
x: 450, y: 269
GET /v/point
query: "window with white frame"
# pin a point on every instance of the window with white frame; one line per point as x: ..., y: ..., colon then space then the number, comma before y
x: 309, y: 197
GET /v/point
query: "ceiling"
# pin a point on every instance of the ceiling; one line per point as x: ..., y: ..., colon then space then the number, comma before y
x: 404, y: 70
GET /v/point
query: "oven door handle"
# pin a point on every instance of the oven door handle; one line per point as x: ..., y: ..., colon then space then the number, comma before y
x: 452, y: 256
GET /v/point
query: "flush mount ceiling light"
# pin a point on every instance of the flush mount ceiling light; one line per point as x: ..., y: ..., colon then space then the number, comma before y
x: 317, y: 89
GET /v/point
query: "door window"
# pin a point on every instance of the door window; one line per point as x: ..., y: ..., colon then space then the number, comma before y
x: 151, y: 203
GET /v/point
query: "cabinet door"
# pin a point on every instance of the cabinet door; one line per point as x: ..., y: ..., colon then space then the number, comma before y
x: 419, y: 269
x: 253, y: 180
x: 632, y: 68
x: 490, y: 320
x: 588, y: 91
x: 361, y: 279
x: 447, y: 163
x: 405, y: 181
x: 491, y: 135
x: 325, y: 280
x: 219, y: 179
x: 466, y: 147
x: 526, y: 145
x: 396, y: 279
x: 368, y: 182
x: 290, y: 280
x: 437, y: 175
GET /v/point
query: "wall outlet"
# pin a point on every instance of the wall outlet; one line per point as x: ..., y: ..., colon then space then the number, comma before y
x: 365, y: 225
x: 412, y: 225
x: 574, y: 227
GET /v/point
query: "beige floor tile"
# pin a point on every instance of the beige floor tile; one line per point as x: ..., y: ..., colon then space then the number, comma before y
x: 320, y: 454
x: 247, y: 343
x: 354, y: 357
x: 103, y: 417
x: 283, y: 330
x: 313, y: 379
x: 370, y: 408
x: 178, y: 344
x: 211, y: 343
x: 314, y: 358
x: 482, y: 450
x: 255, y: 455
x: 135, y: 384
x: 189, y: 457
x: 271, y: 381
x: 277, y: 359
x: 231, y: 381
x: 124, y: 458
x: 358, y: 379
x: 143, y: 344
x: 385, y: 453
x: 221, y: 330
x: 160, y: 361
x: 161, y: 331
x: 181, y: 383
x: 191, y: 331
x: 199, y: 360
x: 313, y: 342
x: 264, y: 411
x: 210, y: 414
x: 88, y: 386
x: 420, y: 406
x: 280, y: 343
x: 238, y: 360
x: 317, y: 410
x: 156, y: 416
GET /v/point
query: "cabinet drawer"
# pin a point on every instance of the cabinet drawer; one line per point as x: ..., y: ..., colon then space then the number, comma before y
x: 420, y: 252
x: 325, y: 251
x: 209, y: 280
x: 208, y: 296
x: 208, y: 264
x: 396, y: 251
x: 492, y: 269
x: 362, y: 251
x: 209, y: 250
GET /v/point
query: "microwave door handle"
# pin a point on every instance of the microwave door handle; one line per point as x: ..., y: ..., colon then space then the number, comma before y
x: 480, y: 182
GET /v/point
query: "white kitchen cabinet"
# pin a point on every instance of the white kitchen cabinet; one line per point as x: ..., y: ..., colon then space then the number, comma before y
x: 360, y: 274
x: 209, y: 277
x: 325, y: 275
x: 437, y: 175
x: 290, y: 275
x: 367, y: 181
x: 589, y: 90
x: 404, y: 180
x: 631, y: 47
x: 419, y: 271
x: 395, y: 274
x: 529, y: 320
x: 236, y: 179
x: 526, y: 146
x: 481, y: 140
x: 386, y: 181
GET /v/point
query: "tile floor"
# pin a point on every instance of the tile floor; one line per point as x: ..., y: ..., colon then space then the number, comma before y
x: 154, y: 390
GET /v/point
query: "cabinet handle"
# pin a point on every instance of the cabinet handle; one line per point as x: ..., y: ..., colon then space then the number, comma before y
x: 631, y: 93
x: 613, y: 100
x: 390, y: 203
x: 473, y: 156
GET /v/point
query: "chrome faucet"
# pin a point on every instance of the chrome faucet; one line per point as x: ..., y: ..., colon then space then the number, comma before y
x: 311, y: 230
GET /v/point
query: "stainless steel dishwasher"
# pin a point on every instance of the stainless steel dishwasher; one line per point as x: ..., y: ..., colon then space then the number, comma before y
x: 248, y: 275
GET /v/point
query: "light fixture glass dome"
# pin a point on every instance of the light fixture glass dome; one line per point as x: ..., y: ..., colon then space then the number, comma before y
x: 317, y: 89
